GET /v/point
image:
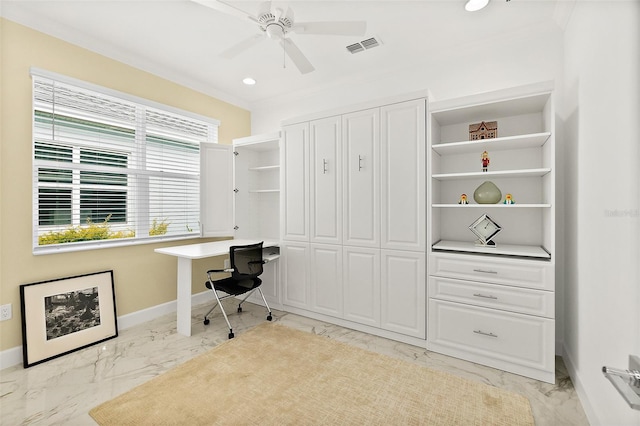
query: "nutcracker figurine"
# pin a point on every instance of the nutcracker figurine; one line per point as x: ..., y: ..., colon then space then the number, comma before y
x: 485, y: 161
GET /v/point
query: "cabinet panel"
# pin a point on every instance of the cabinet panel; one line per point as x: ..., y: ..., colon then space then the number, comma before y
x: 295, y: 274
x: 216, y: 201
x: 403, y: 285
x: 362, y: 285
x: 519, y: 339
x: 326, y: 279
x: 515, y: 272
x: 361, y: 141
x: 402, y: 154
x: 325, y: 168
x: 513, y: 299
x: 295, y: 182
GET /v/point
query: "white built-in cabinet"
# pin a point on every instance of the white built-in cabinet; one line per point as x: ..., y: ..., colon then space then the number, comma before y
x: 241, y: 197
x: 494, y: 305
x: 353, y: 216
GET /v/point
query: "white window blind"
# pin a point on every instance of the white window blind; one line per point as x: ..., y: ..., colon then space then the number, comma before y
x: 112, y: 169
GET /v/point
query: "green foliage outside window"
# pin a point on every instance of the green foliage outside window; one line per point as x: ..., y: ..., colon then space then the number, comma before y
x: 97, y: 231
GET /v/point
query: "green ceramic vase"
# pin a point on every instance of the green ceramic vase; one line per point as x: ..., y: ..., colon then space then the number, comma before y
x: 487, y: 193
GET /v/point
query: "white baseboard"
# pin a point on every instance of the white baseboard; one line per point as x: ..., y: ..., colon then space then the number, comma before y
x: 13, y: 356
x: 578, y: 386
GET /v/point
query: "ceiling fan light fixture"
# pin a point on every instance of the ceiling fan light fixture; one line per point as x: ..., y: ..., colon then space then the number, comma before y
x: 475, y: 5
x: 249, y: 81
x: 275, y: 31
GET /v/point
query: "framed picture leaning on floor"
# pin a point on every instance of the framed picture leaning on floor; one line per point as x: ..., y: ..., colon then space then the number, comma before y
x: 63, y: 315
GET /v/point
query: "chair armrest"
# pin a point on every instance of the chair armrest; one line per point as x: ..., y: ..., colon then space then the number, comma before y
x: 219, y: 270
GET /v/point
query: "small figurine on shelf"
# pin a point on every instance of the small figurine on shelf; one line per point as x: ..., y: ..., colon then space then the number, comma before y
x: 508, y: 199
x: 485, y: 161
x: 463, y: 199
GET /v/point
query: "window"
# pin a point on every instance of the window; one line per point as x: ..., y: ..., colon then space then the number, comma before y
x: 112, y: 169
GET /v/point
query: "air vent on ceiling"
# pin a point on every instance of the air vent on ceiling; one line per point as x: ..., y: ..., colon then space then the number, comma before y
x: 363, y: 45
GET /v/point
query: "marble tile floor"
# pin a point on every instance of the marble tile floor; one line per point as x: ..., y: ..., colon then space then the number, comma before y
x: 63, y: 390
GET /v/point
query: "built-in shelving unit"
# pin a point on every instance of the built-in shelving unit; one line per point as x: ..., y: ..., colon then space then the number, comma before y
x: 521, y: 163
x: 257, y: 186
x: 494, y: 305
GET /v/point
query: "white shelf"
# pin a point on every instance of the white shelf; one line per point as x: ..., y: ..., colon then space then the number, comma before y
x: 508, y: 142
x: 493, y: 206
x: 537, y: 252
x: 264, y: 168
x: 496, y: 174
x: 482, y: 106
x: 262, y: 191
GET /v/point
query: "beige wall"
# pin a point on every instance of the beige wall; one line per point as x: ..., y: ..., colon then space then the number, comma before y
x: 142, y: 277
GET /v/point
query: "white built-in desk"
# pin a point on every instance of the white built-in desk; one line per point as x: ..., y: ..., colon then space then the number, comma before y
x: 186, y: 254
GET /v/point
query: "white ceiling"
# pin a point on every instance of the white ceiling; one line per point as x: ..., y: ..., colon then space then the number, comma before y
x: 181, y: 40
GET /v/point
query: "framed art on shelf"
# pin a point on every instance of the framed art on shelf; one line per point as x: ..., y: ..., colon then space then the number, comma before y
x: 63, y: 315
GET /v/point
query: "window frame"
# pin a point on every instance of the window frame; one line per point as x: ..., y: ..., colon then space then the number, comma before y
x: 142, y: 105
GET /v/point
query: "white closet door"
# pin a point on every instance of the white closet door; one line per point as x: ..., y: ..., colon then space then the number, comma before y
x: 216, y: 180
x: 295, y: 182
x: 361, y: 279
x: 361, y: 142
x: 403, y: 292
x: 326, y: 279
x: 326, y: 180
x: 403, y: 219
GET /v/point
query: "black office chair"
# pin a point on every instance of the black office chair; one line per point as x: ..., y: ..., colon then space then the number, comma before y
x: 246, y: 265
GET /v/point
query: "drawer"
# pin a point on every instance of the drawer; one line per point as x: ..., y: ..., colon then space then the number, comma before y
x: 513, y: 299
x: 514, y: 272
x: 502, y: 336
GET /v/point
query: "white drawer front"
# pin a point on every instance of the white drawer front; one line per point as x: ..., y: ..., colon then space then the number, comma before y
x: 509, y: 337
x: 513, y: 299
x: 515, y: 272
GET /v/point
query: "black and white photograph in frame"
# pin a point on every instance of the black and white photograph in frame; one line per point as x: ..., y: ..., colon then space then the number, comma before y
x: 63, y: 315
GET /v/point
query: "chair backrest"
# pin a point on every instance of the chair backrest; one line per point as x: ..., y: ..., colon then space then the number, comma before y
x: 246, y: 261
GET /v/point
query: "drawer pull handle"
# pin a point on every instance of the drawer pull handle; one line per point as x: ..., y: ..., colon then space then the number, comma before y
x: 485, y: 296
x: 484, y: 333
x: 485, y: 272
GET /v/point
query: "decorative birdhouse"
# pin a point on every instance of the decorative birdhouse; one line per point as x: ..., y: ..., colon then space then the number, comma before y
x: 483, y: 130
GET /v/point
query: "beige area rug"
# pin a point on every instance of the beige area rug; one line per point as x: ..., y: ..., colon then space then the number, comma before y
x: 275, y: 375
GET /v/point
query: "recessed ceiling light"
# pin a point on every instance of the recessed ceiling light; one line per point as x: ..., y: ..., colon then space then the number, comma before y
x: 475, y: 5
x: 249, y: 81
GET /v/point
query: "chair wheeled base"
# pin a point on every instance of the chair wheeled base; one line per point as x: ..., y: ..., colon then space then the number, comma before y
x: 219, y: 300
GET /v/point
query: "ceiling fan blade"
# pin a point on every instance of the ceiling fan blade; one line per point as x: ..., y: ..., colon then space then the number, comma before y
x: 297, y: 57
x: 347, y: 28
x: 245, y: 44
x: 226, y: 8
x: 265, y: 7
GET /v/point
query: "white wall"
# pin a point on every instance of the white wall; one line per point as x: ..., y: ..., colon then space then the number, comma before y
x: 601, y: 113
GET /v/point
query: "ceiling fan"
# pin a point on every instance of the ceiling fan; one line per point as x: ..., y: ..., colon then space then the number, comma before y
x: 276, y: 25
